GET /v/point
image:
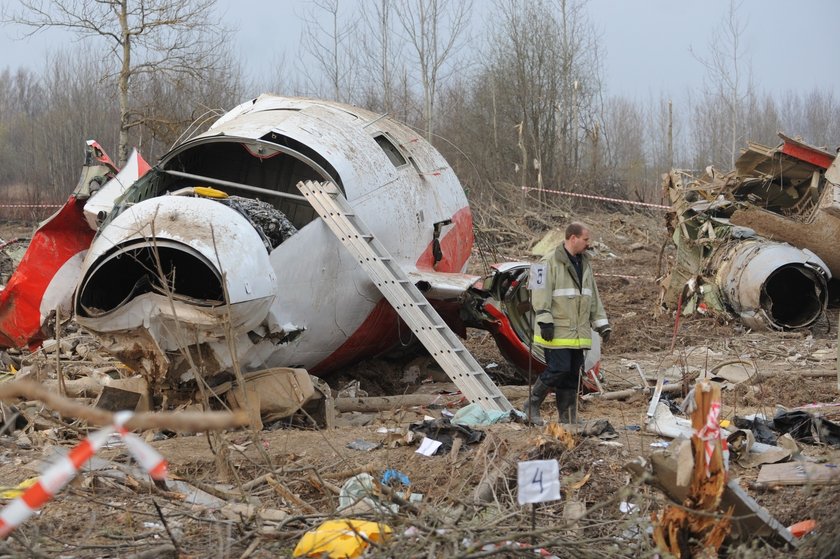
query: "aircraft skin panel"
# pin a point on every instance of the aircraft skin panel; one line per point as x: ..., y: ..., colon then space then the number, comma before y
x: 357, y: 319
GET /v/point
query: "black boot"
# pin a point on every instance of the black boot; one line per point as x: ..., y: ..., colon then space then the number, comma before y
x: 567, y: 405
x: 532, y: 406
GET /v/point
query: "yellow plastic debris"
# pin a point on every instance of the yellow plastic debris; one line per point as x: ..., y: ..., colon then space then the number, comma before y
x: 15, y: 492
x: 209, y: 192
x: 340, y: 539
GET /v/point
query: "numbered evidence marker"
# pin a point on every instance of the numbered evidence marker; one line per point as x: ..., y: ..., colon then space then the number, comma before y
x: 536, y: 277
x: 539, y: 481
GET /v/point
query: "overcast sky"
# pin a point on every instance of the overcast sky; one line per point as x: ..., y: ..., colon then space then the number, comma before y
x: 791, y: 45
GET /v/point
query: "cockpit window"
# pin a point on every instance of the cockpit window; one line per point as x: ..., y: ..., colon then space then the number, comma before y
x: 390, y: 150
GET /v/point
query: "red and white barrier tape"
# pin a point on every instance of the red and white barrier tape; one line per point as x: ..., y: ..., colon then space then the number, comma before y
x: 59, y: 474
x: 601, y: 198
x: 30, y: 205
x: 710, y: 433
x: 600, y: 275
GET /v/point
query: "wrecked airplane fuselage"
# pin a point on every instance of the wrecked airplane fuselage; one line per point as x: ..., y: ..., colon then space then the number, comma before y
x: 213, y: 260
x: 730, y: 232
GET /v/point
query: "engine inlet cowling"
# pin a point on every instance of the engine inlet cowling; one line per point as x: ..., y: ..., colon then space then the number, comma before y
x: 140, y: 267
x: 772, y: 285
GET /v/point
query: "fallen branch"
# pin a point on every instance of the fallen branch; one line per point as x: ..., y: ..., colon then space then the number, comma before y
x: 366, y: 469
x: 290, y: 497
x: 385, y: 403
x: 620, y: 394
x: 181, y: 421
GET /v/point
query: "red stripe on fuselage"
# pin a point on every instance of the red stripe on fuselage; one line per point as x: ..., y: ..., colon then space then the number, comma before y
x: 456, y: 245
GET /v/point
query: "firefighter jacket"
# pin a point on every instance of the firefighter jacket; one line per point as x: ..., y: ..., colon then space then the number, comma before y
x: 573, y: 306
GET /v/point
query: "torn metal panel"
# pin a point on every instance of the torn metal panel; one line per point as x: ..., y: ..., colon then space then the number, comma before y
x: 757, y: 242
x: 102, y: 199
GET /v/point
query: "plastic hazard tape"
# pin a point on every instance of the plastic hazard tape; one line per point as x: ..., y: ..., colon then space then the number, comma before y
x: 709, y: 434
x: 59, y: 474
x: 30, y: 205
x: 624, y: 276
x: 601, y: 198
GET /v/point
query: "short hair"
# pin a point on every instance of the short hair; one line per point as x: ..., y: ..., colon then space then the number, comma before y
x: 575, y: 229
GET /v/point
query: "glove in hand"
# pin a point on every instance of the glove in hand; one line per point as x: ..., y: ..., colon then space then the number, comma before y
x: 604, y: 332
x: 547, y: 331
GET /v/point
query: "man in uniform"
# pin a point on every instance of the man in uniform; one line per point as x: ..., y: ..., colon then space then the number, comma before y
x: 567, y: 308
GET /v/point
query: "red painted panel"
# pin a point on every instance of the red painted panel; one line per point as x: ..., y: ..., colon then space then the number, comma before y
x: 456, y: 245
x: 376, y: 334
x: 63, y: 236
x: 809, y: 155
x: 510, y: 346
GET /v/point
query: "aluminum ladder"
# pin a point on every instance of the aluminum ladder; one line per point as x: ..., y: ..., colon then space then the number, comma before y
x: 441, y: 342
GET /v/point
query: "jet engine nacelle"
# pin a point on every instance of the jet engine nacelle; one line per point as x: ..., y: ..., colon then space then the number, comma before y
x: 187, y: 270
x: 770, y: 284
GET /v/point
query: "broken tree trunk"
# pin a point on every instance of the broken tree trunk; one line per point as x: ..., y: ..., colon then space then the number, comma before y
x: 695, y: 528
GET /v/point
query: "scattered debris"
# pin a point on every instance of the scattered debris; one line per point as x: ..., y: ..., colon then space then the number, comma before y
x: 259, y: 490
x: 732, y: 232
x: 799, y: 473
x: 363, y: 445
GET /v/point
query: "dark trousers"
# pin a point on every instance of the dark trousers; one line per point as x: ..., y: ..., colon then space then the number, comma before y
x: 563, y: 367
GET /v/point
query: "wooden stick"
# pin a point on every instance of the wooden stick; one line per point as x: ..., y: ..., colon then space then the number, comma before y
x: 366, y: 469
x: 58, y: 369
x: 290, y: 497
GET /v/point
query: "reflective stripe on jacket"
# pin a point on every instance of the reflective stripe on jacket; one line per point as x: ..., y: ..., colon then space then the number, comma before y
x: 573, y: 307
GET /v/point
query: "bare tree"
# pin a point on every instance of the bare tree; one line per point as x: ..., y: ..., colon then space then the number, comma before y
x: 381, y: 55
x: 625, y: 157
x: 729, y: 74
x: 331, y: 44
x: 169, y: 39
x: 540, y: 89
x: 434, y: 29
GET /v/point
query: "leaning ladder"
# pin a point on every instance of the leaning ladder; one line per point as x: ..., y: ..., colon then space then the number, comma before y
x: 403, y: 296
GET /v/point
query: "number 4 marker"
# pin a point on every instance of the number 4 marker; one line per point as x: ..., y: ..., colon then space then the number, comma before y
x: 539, y: 481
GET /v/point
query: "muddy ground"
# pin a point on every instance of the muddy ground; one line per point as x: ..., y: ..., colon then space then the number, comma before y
x: 116, y: 512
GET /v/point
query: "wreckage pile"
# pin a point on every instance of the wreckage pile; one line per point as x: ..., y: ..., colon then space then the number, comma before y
x: 628, y: 482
